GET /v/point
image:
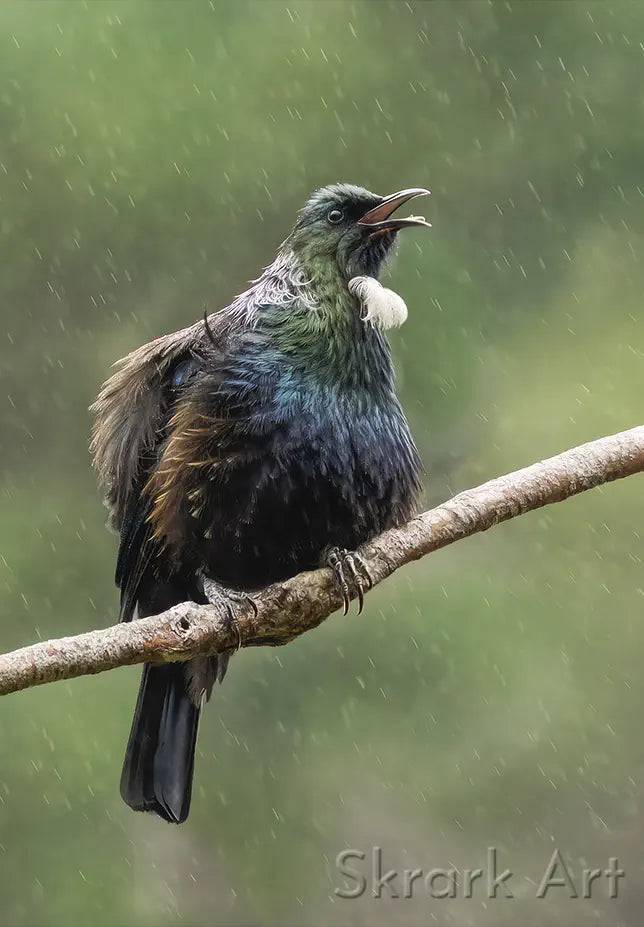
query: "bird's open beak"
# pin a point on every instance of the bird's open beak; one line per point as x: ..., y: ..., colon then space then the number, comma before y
x: 379, y: 218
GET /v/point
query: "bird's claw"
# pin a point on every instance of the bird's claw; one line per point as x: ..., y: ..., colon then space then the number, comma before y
x: 232, y: 623
x: 215, y: 593
x: 243, y: 598
x: 343, y: 561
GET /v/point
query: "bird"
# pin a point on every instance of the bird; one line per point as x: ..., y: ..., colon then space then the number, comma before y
x: 262, y: 440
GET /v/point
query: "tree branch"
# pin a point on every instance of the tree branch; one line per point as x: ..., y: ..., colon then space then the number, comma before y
x: 288, y: 609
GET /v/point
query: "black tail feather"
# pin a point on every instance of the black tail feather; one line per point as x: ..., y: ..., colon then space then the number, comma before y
x: 159, y: 759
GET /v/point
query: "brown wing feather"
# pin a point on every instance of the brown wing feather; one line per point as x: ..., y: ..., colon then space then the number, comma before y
x: 196, y: 443
x: 129, y: 413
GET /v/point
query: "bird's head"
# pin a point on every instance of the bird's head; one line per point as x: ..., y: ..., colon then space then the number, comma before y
x: 348, y: 228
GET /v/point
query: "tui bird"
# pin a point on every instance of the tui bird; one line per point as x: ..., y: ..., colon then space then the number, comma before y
x: 264, y: 440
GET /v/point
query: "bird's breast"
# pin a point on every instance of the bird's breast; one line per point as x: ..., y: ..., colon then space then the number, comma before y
x: 335, y: 470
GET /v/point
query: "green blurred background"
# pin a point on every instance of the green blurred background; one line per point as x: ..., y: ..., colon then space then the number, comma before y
x: 152, y: 157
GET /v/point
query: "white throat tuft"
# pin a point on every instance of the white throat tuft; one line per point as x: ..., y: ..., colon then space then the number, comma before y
x: 381, y: 307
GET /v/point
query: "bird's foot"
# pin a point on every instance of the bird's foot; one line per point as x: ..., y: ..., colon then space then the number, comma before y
x: 216, y: 594
x: 346, y: 563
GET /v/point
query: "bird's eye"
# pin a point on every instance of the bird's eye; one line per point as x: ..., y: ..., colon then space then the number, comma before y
x: 334, y: 216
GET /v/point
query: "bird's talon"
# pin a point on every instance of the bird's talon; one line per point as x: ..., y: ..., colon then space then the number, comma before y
x: 350, y: 560
x: 246, y: 599
x: 339, y: 560
x: 360, y: 589
x: 233, y: 623
x: 215, y: 593
x: 365, y: 570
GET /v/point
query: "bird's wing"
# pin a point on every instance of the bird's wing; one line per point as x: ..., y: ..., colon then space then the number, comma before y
x: 195, y: 437
x: 129, y: 413
x: 200, y: 448
x: 220, y: 426
x: 197, y: 446
x: 132, y: 412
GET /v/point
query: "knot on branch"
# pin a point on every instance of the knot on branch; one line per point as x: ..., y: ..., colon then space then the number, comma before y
x: 182, y: 621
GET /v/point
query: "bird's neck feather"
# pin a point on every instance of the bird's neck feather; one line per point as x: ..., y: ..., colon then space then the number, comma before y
x: 303, y: 312
x: 322, y: 332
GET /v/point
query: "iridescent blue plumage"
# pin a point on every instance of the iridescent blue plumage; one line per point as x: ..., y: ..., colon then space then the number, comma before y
x: 244, y: 448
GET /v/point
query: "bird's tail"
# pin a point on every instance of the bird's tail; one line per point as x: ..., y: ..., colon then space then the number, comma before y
x: 159, y: 759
